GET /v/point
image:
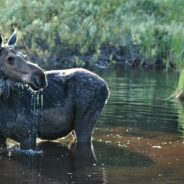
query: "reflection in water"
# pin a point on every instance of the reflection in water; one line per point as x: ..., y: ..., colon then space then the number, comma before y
x: 113, y: 156
x: 139, y: 99
x: 140, y: 119
x: 138, y: 139
x: 59, y: 164
x: 180, y: 110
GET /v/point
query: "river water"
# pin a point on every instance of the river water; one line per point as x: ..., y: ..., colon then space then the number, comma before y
x: 138, y: 139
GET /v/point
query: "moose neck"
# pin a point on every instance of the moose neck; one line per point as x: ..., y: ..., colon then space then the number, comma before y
x: 5, y: 86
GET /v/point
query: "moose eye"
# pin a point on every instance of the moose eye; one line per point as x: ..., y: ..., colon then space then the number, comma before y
x: 11, y: 60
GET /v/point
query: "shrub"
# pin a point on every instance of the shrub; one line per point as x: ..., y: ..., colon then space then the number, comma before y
x: 46, y: 27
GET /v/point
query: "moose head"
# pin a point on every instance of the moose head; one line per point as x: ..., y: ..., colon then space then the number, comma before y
x: 14, y: 66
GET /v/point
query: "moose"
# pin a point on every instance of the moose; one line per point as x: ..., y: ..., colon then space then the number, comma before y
x: 46, y: 104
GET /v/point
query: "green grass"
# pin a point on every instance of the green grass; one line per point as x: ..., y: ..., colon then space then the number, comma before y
x: 47, y: 27
x: 179, y: 93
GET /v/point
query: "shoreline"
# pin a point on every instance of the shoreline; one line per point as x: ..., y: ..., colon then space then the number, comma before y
x: 108, y: 57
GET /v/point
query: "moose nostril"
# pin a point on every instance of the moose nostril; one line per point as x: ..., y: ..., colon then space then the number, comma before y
x: 43, y: 80
x: 11, y: 60
x: 40, y: 80
x: 37, y: 81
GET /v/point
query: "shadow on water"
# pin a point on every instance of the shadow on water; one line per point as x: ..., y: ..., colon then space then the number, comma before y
x: 112, y: 156
x: 59, y: 164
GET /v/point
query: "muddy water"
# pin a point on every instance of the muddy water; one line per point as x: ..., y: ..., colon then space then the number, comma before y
x: 138, y: 139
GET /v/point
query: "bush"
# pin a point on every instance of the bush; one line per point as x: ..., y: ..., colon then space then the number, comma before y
x: 47, y: 27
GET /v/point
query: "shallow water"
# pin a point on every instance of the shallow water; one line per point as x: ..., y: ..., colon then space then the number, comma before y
x: 138, y: 139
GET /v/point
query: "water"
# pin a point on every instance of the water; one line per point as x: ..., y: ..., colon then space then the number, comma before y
x: 138, y: 139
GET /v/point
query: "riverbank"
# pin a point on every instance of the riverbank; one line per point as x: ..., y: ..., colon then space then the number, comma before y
x: 97, y: 33
x: 109, y: 57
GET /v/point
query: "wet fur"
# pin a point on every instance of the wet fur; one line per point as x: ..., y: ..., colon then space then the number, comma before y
x: 73, y: 100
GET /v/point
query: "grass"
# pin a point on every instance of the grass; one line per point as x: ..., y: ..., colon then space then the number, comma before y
x: 47, y: 28
x: 179, y: 93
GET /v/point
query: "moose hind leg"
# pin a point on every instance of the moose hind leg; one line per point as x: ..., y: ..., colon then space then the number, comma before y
x: 85, y: 122
x: 88, y: 108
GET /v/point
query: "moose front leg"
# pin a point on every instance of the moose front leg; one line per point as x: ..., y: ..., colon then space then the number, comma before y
x: 2, y: 142
x: 29, y: 140
x: 25, y: 133
x: 28, y: 143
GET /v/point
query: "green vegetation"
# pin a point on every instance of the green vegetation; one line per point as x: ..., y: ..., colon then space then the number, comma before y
x: 179, y: 93
x: 46, y: 28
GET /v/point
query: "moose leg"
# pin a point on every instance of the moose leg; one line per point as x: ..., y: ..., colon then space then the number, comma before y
x: 29, y: 140
x: 28, y: 143
x: 89, y: 104
x: 2, y: 142
x: 27, y: 136
x: 85, y: 122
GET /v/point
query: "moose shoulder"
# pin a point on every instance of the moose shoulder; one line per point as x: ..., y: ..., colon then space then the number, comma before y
x: 71, y: 100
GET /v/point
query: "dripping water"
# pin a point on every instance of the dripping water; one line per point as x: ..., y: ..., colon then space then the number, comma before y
x: 41, y: 109
x: 35, y: 108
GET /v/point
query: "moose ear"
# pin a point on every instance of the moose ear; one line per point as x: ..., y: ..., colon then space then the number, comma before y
x: 1, y: 40
x: 13, y: 39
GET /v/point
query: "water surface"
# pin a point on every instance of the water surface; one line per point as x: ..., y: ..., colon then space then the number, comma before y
x: 141, y: 130
x: 138, y: 139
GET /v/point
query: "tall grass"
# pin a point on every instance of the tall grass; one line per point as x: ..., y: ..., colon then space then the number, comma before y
x: 179, y: 93
x: 47, y: 27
